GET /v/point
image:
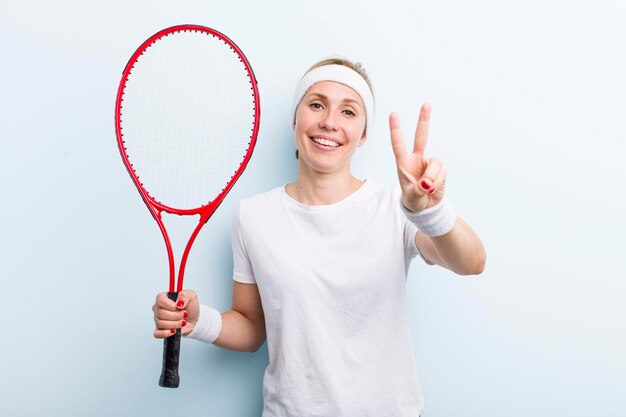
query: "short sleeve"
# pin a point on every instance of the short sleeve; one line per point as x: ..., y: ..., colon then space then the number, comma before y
x: 242, y: 268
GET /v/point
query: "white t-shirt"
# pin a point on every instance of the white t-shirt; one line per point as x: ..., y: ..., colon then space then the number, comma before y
x: 332, y: 281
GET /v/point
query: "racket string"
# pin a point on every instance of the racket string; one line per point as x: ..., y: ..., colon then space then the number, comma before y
x: 188, y: 118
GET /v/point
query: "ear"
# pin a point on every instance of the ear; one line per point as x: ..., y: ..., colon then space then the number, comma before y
x: 363, y: 139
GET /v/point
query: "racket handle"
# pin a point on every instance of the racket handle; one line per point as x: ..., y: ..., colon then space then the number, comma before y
x: 171, y: 351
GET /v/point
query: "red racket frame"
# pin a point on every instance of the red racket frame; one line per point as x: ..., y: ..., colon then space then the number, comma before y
x: 155, y: 207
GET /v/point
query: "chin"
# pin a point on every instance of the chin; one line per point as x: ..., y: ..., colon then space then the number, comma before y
x: 325, y: 167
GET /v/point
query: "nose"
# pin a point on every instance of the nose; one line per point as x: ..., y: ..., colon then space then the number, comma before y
x: 328, y: 121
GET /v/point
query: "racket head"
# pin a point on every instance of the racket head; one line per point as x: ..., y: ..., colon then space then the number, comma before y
x: 187, y: 118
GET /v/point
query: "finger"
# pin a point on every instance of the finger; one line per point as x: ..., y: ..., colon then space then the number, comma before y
x: 163, y: 334
x: 421, y: 132
x: 187, y: 329
x: 433, y: 166
x: 397, y: 142
x: 184, y: 298
x: 162, y: 302
x: 408, y: 175
x: 169, y: 324
x: 439, y: 181
x: 424, y: 183
x: 161, y: 314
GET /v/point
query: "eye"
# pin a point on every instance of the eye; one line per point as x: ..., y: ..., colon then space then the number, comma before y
x: 316, y: 106
x: 349, y: 112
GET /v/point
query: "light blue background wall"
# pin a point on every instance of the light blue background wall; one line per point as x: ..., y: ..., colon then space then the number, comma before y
x: 528, y: 116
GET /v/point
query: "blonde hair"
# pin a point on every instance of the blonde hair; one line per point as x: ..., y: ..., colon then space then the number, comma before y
x: 355, y: 66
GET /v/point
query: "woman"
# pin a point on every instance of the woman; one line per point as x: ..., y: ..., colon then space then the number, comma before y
x: 320, y: 264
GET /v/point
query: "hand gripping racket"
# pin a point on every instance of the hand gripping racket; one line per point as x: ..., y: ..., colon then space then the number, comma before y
x: 187, y: 117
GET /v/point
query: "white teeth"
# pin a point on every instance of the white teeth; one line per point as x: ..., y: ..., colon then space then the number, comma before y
x: 325, y: 142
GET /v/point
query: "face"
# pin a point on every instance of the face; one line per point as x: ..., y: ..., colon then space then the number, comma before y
x: 329, y: 126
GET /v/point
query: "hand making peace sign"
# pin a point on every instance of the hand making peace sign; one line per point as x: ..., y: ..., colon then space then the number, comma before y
x: 422, y: 179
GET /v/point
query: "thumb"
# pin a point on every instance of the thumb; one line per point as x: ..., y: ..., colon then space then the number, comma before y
x: 182, y: 300
x: 185, y: 297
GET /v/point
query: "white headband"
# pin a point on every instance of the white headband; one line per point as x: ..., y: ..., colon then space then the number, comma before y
x: 343, y: 75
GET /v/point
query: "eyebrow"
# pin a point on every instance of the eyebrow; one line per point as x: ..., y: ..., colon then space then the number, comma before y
x: 345, y: 100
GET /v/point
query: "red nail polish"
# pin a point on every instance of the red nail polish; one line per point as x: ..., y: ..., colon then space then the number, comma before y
x: 431, y: 191
x: 180, y: 304
x: 185, y: 315
x: 425, y: 185
x: 183, y: 324
x: 173, y: 331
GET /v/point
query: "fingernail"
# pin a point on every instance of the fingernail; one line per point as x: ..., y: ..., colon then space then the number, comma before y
x: 425, y: 185
x: 185, y: 315
x: 183, y: 324
x: 180, y: 304
x: 173, y: 331
x: 431, y: 191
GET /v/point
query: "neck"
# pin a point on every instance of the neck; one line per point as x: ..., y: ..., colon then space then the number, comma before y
x: 314, y: 188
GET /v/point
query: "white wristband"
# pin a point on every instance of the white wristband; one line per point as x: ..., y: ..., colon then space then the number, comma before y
x: 434, y: 221
x: 208, y: 326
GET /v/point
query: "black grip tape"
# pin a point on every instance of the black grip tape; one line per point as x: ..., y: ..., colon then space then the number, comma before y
x: 171, y: 352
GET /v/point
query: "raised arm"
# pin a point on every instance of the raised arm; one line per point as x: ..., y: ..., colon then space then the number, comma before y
x: 444, y: 238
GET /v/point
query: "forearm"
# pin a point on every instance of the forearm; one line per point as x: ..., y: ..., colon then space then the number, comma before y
x: 229, y: 330
x: 461, y: 249
x: 240, y: 333
x: 446, y: 240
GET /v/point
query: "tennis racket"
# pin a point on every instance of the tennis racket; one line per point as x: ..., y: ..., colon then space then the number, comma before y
x: 186, y: 117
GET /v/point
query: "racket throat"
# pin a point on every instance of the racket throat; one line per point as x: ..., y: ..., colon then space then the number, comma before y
x: 183, y: 260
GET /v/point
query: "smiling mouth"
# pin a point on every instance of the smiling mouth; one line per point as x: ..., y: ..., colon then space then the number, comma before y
x: 325, y: 142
